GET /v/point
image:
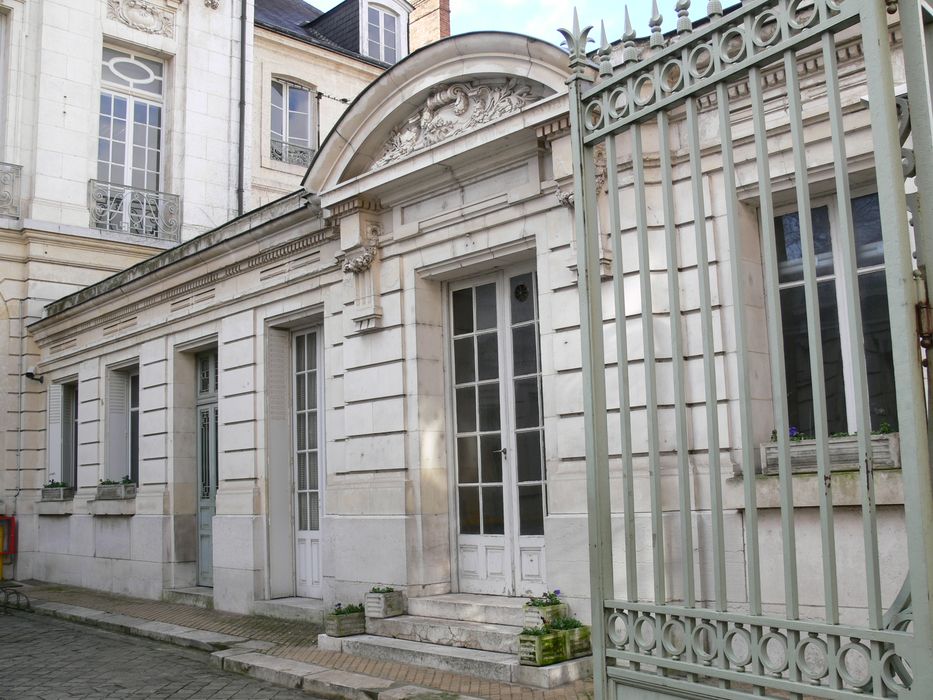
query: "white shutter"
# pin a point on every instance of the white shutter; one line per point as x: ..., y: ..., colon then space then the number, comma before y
x: 117, y: 427
x: 69, y: 405
x: 54, y: 451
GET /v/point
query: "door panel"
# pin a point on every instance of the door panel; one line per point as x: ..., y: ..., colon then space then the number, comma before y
x: 307, y: 463
x: 498, y: 435
x: 207, y: 463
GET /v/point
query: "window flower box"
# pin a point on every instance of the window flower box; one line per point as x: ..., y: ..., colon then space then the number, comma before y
x: 57, y: 493
x: 384, y: 602
x: 843, y: 454
x: 115, y: 492
x: 345, y: 621
x: 541, y: 646
x: 542, y: 610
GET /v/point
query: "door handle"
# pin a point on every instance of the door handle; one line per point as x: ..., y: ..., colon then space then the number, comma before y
x: 502, y: 451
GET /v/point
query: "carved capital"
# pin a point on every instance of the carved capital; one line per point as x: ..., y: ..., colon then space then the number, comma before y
x: 143, y: 16
x: 364, y: 260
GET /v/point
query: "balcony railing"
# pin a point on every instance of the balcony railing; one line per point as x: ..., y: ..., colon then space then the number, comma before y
x: 140, y: 212
x: 10, y: 176
x: 290, y: 153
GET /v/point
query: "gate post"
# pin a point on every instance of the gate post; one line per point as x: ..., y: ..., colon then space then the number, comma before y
x: 902, y: 300
x: 589, y: 283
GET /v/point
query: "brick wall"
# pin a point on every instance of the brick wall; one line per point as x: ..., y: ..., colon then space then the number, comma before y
x: 429, y: 22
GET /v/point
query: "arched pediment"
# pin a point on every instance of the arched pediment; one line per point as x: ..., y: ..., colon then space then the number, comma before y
x: 443, y: 90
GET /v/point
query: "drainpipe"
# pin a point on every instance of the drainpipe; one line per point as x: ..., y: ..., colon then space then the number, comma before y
x: 241, y: 150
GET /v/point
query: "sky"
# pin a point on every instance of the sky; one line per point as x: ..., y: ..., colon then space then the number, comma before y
x: 541, y: 18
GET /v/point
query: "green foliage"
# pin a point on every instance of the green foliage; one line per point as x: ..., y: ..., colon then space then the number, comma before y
x: 536, y: 631
x: 56, y: 484
x: 884, y: 429
x: 381, y: 589
x: 341, y: 609
x: 565, y: 623
x: 127, y: 480
x: 109, y: 482
x: 547, y: 600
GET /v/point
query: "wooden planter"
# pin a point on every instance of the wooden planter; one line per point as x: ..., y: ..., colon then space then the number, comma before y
x: 115, y: 492
x: 344, y: 625
x: 577, y: 642
x: 58, y: 493
x: 384, y: 604
x: 541, y: 650
x: 539, y: 617
x: 843, y: 454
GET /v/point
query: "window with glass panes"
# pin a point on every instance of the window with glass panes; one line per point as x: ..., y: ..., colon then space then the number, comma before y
x: 129, y: 145
x: 836, y: 336
x: 293, y: 134
x: 382, y: 34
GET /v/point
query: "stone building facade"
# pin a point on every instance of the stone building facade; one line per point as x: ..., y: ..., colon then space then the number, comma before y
x: 376, y: 380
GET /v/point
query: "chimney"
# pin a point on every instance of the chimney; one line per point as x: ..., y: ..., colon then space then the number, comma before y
x: 428, y: 22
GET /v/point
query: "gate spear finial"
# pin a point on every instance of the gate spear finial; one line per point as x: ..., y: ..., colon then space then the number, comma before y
x: 714, y: 8
x: 605, y: 53
x: 657, y: 39
x: 576, y: 44
x: 684, y: 25
x: 629, y: 52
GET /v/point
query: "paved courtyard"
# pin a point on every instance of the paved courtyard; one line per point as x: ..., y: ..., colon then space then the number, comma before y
x: 47, y: 659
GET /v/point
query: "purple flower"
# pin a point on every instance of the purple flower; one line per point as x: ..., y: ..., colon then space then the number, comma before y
x: 556, y: 591
x: 793, y: 431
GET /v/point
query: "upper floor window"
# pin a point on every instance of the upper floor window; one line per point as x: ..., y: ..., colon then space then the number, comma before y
x: 125, y: 196
x: 834, y: 304
x: 294, y: 137
x: 383, y: 34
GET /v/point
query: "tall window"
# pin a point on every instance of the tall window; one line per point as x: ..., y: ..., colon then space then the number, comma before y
x: 129, y: 144
x: 123, y: 424
x: 293, y: 134
x: 838, y: 376
x: 383, y: 34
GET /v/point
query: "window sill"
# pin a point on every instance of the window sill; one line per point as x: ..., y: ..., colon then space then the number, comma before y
x: 115, y: 492
x: 55, y: 507
x: 126, y: 506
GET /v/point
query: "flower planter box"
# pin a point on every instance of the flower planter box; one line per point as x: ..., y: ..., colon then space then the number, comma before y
x: 540, y: 616
x: 843, y: 454
x: 541, y: 649
x: 389, y: 604
x: 344, y: 625
x: 114, y: 492
x: 58, y: 493
x: 577, y: 642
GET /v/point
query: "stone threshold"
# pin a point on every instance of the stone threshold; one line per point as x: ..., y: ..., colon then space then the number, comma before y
x: 198, y: 596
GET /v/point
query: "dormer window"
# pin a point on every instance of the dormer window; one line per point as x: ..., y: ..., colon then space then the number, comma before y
x: 383, y: 34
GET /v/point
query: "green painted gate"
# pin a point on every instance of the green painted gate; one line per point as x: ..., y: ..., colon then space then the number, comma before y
x: 689, y: 151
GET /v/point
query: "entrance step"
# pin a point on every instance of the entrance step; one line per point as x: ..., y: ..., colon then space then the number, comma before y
x: 490, y: 609
x: 198, y: 596
x: 490, y: 665
x: 305, y: 609
x: 448, y: 632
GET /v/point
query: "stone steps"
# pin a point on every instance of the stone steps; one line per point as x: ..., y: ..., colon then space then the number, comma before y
x: 464, y: 634
x: 198, y: 596
x: 489, y: 609
x: 489, y: 665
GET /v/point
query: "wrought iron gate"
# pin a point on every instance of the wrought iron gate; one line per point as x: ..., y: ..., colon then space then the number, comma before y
x: 688, y: 148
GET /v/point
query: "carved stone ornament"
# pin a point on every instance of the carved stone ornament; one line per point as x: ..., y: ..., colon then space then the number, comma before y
x: 142, y: 16
x: 364, y: 261
x: 212, y: 4
x: 454, y: 109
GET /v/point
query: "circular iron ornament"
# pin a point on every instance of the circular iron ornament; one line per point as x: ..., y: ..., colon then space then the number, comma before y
x: 643, y: 91
x: 593, y: 116
x: 794, y: 10
x: 771, y: 665
x: 617, y: 629
x: 894, y: 684
x: 842, y: 667
x: 643, y: 634
x: 674, y: 637
x: 834, y: 6
x: 806, y: 665
x: 763, y: 22
x: 728, y: 647
x: 728, y: 52
x: 700, y: 55
x: 618, y: 103
x: 672, y: 76
x: 698, y: 645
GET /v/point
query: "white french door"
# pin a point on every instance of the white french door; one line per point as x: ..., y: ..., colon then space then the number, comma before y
x: 307, y: 463
x: 207, y: 463
x: 500, y: 495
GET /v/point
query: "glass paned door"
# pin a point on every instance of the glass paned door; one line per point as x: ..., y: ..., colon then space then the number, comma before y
x: 307, y: 464
x: 500, y: 495
x: 207, y: 463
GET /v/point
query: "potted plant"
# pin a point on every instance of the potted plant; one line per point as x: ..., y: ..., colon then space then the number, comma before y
x: 843, y: 451
x: 576, y: 636
x: 345, y: 621
x: 384, y: 601
x: 57, y: 491
x: 109, y: 490
x: 540, y: 610
x: 541, y: 646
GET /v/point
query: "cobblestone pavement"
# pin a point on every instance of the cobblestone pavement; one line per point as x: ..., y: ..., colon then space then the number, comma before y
x: 46, y: 659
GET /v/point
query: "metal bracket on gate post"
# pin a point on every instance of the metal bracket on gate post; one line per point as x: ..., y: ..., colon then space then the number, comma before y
x: 924, y: 314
